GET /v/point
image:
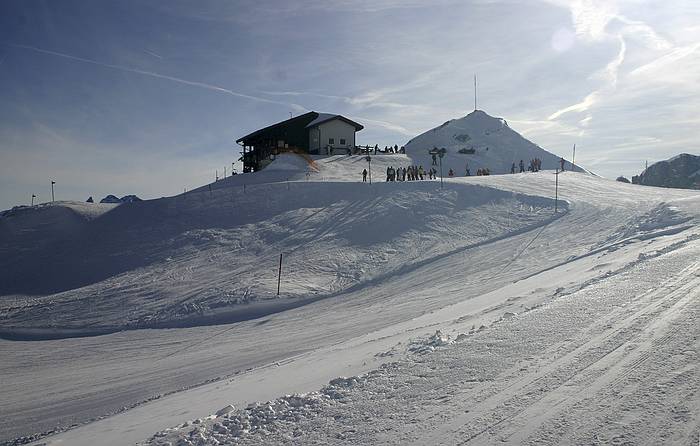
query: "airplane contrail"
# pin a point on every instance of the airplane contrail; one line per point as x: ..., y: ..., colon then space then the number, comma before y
x: 151, y: 53
x: 206, y: 86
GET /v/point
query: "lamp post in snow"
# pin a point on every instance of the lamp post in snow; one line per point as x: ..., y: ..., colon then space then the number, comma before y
x: 52, y: 196
x: 440, y: 153
x: 369, y: 162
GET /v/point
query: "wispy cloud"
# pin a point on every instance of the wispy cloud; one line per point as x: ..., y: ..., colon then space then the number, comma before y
x: 386, y: 125
x: 674, y: 56
x: 375, y: 98
x: 197, y: 84
x: 582, y: 106
x: 598, y: 21
x: 151, y: 53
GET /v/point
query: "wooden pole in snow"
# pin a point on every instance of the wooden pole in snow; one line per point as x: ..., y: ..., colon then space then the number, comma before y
x: 279, y: 276
x: 556, y: 190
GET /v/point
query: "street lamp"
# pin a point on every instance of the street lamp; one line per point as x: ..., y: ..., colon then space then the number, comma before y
x: 440, y: 153
x: 369, y: 162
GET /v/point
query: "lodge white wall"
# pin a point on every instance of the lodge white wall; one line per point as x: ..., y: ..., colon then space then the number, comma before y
x: 335, y: 129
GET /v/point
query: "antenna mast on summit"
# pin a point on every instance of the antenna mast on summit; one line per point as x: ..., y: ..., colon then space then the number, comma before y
x: 474, y: 91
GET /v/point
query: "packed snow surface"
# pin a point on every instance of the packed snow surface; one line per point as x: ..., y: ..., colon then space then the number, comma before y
x: 408, y: 314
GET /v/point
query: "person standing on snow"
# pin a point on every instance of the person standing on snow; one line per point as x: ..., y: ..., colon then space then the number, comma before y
x: 522, y: 166
x: 561, y: 161
x: 364, y: 175
x: 420, y: 172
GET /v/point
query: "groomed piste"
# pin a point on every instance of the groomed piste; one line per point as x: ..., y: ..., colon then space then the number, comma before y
x: 465, y: 311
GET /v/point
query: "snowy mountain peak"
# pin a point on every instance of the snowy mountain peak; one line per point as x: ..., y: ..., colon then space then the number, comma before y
x: 479, y: 140
x: 480, y: 117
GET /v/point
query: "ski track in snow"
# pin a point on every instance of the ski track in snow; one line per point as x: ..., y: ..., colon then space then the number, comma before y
x: 623, y: 370
x: 544, y: 351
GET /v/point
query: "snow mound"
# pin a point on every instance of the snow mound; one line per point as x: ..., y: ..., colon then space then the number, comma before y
x: 290, y: 162
x: 261, y: 418
x: 429, y: 344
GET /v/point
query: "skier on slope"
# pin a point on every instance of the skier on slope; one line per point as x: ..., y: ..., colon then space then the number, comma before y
x: 561, y: 161
x: 512, y: 168
x: 522, y: 166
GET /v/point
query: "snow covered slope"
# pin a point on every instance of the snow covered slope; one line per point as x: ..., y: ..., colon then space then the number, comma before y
x: 211, y: 256
x: 580, y: 313
x: 495, y: 145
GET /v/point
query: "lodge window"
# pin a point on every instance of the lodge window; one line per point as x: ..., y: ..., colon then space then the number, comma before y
x: 342, y: 141
x: 331, y: 140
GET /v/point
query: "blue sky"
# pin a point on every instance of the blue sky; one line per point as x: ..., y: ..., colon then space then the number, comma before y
x: 148, y: 97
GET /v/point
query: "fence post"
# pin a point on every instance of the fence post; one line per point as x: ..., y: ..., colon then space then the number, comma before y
x: 556, y: 190
x: 279, y: 275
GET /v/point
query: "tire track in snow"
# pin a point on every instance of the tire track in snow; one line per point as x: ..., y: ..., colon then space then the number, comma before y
x: 510, y: 399
x: 614, y: 367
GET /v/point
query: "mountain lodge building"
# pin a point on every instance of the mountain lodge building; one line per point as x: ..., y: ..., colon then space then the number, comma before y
x: 311, y: 133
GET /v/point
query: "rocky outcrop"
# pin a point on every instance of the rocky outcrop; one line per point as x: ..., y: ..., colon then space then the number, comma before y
x: 681, y: 171
x: 125, y: 199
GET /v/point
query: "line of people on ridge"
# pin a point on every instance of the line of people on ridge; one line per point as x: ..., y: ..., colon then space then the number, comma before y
x: 410, y: 173
x: 387, y: 149
x: 535, y: 165
x: 417, y: 173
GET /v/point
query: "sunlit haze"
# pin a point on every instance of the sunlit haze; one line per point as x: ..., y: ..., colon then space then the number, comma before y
x: 148, y: 98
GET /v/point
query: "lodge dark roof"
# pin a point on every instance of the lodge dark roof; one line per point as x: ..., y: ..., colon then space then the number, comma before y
x: 306, y: 120
x: 324, y: 117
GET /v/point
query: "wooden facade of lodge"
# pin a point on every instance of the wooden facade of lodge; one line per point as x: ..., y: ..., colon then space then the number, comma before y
x: 311, y: 133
